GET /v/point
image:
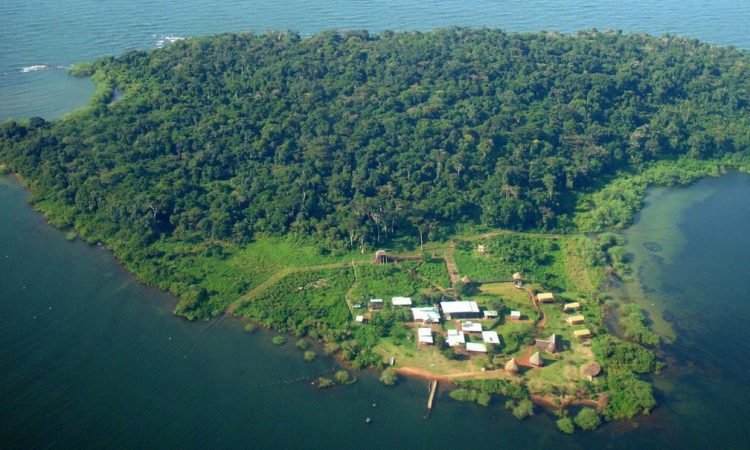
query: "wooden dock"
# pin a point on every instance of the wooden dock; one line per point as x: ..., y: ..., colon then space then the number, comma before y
x: 431, y: 398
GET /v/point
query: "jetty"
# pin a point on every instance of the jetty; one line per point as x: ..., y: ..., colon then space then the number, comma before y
x: 431, y: 398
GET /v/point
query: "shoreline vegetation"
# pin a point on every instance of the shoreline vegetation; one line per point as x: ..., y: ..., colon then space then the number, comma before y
x: 257, y: 175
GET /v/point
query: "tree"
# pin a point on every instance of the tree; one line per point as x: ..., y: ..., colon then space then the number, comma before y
x: 565, y: 424
x: 588, y: 419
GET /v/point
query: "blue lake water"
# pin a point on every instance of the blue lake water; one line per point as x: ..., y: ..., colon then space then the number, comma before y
x: 89, y: 358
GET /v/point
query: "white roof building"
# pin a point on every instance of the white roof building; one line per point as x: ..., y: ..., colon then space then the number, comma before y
x: 490, y: 337
x: 474, y: 347
x: 461, y: 307
x: 455, y: 338
x: 515, y: 315
x: 359, y: 319
x: 401, y: 301
x: 426, y: 314
x: 471, y: 327
x: 425, y: 335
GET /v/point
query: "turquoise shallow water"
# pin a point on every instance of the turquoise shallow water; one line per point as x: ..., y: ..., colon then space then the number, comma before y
x: 89, y: 358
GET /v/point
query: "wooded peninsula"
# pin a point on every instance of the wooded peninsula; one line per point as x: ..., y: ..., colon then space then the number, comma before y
x: 299, y: 182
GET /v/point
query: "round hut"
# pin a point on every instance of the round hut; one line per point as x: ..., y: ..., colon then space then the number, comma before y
x: 592, y: 370
x: 517, y: 279
x: 536, y: 360
x: 512, y: 366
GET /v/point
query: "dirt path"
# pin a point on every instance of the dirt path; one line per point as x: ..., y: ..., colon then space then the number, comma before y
x: 450, y: 263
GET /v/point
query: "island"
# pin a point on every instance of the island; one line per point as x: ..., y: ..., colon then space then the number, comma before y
x: 436, y: 204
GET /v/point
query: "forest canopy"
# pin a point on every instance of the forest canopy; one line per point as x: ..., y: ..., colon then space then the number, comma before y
x: 355, y: 137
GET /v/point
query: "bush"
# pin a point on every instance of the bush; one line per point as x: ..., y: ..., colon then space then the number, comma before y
x: 324, y: 382
x: 341, y: 377
x: 484, y: 399
x: 588, y: 419
x: 521, y: 410
x: 250, y: 328
x: 279, y: 340
x: 389, y: 377
x: 310, y: 355
x: 464, y: 395
x: 566, y: 425
x: 302, y: 344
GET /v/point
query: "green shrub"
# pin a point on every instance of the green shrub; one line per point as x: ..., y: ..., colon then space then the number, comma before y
x: 565, y: 424
x: 588, y: 419
x: 302, y: 344
x: 279, y: 340
x: 250, y: 328
x: 324, y: 382
x: 389, y: 377
x: 310, y: 355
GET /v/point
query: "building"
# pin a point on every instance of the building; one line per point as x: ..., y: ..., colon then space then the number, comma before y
x: 401, y: 301
x: 471, y: 327
x: 536, y: 360
x: 425, y: 336
x: 545, y: 297
x: 575, y: 320
x: 581, y: 334
x: 474, y: 347
x: 455, y: 338
x: 461, y: 309
x: 515, y: 315
x: 517, y: 279
x: 549, y: 345
x: 571, y: 307
x: 490, y: 337
x: 359, y: 319
x: 490, y: 314
x: 376, y: 303
x: 481, y: 250
x: 426, y: 314
x: 381, y: 257
x: 512, y: 366
x: 592, y: 370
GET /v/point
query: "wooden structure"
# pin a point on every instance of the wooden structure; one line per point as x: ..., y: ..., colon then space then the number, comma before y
x: 575, y: 320
x: 549, y: 345
x: 581, y: 334
x: 545, y: 297
x: 571, y: 307
x: 536, y: 360
x: 376, y: 304
x: 517, y: 279
x: 381, y: 257
x: 431, y: 398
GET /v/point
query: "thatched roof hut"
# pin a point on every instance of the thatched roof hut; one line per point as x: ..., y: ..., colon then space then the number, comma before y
x: 512, y: 365
x: 536, y: 360
x: 592, y: 370
x: 466, y: 279
x: 517, y: 276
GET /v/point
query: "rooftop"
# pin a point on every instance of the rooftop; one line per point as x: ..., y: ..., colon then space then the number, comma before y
x: 490, y: 337
x: 471, y: 327
x: 474, y: 347
x: 461, y: 307
x: 401, y: 301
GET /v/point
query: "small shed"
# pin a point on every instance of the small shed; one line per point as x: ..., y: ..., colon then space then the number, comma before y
x: 515, y: 315
x: 466, y: 279
x: 517, y: 279
x: 490, y: 337
x: 480, y: 249
x: 512, y: 366
x: 471, y: 327
x: 570, y: 307
x: 401, y: 301
x: 575, y: 320
x: 581, y: 334
x: 549, y: 345
x: 489, y: 314
x: 536, y: 360
x: 475, y: 347
x: 545, y: 297
x: 359, y: 319
x: 381, y: 257
x: 425, y: 336
x: 376, y: 303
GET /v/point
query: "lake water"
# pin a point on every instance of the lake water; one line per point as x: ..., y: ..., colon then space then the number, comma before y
x: 90, y: 358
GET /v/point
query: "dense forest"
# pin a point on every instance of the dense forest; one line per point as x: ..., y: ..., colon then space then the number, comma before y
x: 355, y: 139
